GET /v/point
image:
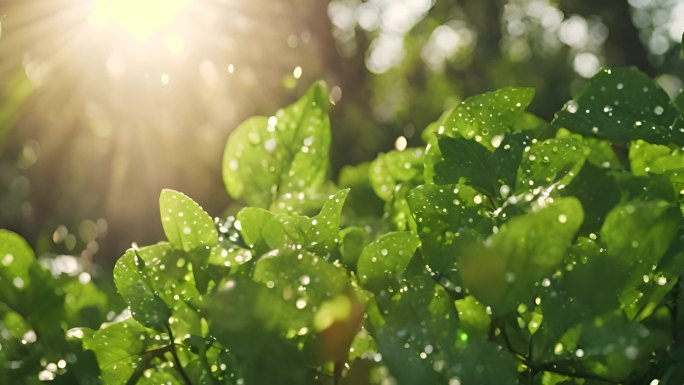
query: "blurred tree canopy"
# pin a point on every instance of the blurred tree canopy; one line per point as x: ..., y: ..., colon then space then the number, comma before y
x: 101, y: 109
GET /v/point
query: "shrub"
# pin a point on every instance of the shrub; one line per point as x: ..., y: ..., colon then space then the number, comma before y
x: 507, y: 250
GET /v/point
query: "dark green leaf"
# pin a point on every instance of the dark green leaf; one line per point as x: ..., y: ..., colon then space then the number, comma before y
x: 481, y: 362
x: 503, y: 271
x: 485, y: 118
x: 598, y: 193
x: 622, y: 105
x: 466, y: 161
x: 640, y: 232
x: 418, y: 337
x: 447, y: 216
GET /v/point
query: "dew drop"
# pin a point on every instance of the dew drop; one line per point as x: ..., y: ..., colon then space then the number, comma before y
x: 270, y: 145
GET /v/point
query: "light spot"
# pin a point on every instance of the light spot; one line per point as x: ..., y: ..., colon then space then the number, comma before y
x: 270, y: 145
x: 46, y: 375
x: 7, y: 259
x: 631, y: 352
x: 187, y: 230
x: 562, y: 218
x: 400, y: 143
x: 510, y: 277
x: 297, y: 72
x: 658, y: 110
x: 84, y: 278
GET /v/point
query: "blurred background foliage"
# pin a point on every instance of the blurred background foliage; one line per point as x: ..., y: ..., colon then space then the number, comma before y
x: 103, y: 103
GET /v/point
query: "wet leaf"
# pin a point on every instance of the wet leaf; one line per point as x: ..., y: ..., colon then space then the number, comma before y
x: 318, y: 234
x: 16, y: 258
x: 413, y: 352
x: 502, y: 272
x: 622, y: 105
x: 186, y: 225
x: 383, y: 261
x: 448, y: 217
x: 121, y: 348
x: 394, y: 168
x: 551, y: 162
x: 352, y: 242
x: 304, y: 280
x: 268, y: 162
x: 645, y: 158
x: 485, y: 118
x: 134, y: 285
x: 640, y: 232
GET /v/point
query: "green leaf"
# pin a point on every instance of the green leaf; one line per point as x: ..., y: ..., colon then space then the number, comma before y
x: 352, y: 242
x: 419, y: 333
x: 645, y: 158
x: 135, y: 287
x: 383, y: 261
x: 568, y: 300
x: 551, y: 162
x: 157, y: 378
x: 304, y: 280
x: 640, y: 232
x: 16, y: 258
x: 620, y: 345
x: 473, y: 316
x: 120, y: 348
x: 597, y: 191
x: 363, y: 204
x: 245, y: 317
x: 186, y: 225
x: 448, y: 216
x: 268, y: 162
x: 622, y: 105
x: 485, y: 118
x: 481, y: 362
x: 252, y: 223
x: 319, y: 234
x: 503, y: 271
x: 468, y: 160
x: 389, y: 170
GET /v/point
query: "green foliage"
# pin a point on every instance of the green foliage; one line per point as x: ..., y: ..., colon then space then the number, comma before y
x: 508, y: 251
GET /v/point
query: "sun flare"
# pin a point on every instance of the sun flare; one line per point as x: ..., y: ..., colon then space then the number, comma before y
x: 140, y: 18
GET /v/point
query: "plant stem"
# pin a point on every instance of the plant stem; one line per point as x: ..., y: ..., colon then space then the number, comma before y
x: 176, y: 359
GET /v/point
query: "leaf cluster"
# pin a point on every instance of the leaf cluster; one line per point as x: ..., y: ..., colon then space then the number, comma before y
x: 508, y: 250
